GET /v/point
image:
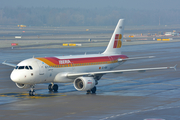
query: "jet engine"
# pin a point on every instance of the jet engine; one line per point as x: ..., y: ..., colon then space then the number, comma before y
x: 84, y: 83
x: 23, y: 86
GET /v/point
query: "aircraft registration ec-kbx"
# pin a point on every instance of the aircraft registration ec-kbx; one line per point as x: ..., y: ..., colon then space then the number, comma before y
x: 83, y: 70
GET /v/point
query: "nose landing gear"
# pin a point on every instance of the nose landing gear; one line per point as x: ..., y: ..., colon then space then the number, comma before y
x: 32, y: 92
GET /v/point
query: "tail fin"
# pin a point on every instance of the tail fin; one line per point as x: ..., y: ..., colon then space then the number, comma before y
x: 114, y: 46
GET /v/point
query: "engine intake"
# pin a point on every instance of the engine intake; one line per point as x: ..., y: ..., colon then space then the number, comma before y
x: 84, y: 83
x: 23, y: 86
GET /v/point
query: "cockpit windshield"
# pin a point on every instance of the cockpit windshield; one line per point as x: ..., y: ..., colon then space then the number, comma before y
x: 24, y: 67
x: 21, y: 67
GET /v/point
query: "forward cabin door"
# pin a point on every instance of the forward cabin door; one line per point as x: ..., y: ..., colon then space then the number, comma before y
x: 42, y: 71
x: 41, y: 68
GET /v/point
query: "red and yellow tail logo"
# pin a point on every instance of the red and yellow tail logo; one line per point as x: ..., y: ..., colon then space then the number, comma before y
x: 117, y: 41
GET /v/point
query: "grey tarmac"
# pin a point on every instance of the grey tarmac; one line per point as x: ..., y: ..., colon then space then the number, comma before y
x: 124, y: 96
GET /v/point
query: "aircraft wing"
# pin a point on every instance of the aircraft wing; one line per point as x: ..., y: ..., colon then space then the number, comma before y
x: 75, y: 75
x: 9, y: 64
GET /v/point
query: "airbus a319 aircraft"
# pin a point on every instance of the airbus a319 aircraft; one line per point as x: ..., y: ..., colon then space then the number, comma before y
x: 83, y: 70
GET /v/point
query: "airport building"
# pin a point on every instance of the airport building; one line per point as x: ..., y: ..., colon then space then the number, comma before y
x: 171, y: 34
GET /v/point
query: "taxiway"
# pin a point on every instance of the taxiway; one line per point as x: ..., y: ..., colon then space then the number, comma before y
x: 133, y: 95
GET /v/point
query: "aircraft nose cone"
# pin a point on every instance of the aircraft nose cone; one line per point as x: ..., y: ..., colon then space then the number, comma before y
x: 14, y: 76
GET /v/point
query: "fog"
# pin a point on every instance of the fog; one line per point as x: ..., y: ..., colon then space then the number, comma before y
x: 128, y: 4
x: 89, y: 13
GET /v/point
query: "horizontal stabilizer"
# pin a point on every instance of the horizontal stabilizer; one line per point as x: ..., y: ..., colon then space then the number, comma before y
x: 135, y: 58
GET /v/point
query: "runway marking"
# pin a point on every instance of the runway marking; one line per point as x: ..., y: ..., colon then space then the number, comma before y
x: 26, y: 95
x: 139, y: 111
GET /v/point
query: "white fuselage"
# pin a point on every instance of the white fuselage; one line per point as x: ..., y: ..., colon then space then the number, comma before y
x: 55, y: 69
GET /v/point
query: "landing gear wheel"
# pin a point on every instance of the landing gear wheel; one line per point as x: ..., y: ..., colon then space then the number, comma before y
x: 93, y: 90
x: 31, y: 93
x: 88, y: 92
x: 55, y: 87
x: 50, y: 87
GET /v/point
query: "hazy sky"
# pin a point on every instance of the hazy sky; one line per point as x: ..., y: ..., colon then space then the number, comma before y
x: 136, y: 4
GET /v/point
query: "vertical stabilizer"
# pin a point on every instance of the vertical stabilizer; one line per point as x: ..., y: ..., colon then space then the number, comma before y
x: 114, y: 46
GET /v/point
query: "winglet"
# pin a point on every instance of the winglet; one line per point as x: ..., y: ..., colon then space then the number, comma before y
x: 4, y: 62
x: 175, y: 67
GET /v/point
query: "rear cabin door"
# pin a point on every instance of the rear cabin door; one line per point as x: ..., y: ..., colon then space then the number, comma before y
x: 111, y: 60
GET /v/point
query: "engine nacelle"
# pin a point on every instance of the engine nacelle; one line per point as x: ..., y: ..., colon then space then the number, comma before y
x: 23, y: 86
x: 84, y: 83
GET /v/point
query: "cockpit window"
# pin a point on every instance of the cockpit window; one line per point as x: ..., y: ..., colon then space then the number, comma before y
x: 26, y: 67
x: 30, y: 67
x: 21, y: 67
x: 16, y: 67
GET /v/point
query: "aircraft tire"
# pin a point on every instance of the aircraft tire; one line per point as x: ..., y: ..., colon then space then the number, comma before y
x: 93, y: 90
x: 50, y: 87
x: 55, y: 87
x: 88, y: 92
x: 31, y: 93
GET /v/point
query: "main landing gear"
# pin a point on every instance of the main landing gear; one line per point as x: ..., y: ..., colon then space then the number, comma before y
x: 92, y: 91
x: 53, y: 87
x: 32, y: 92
